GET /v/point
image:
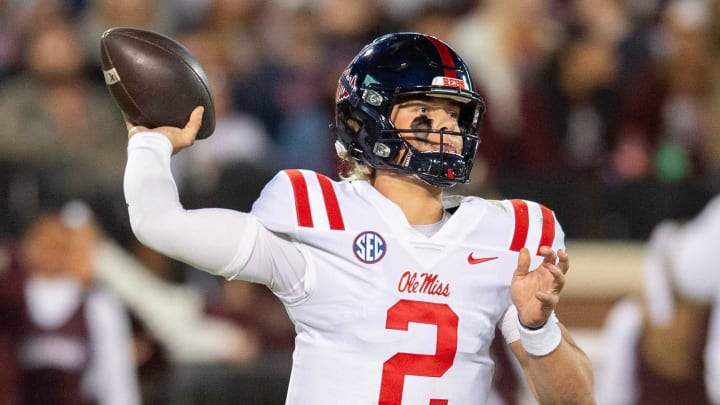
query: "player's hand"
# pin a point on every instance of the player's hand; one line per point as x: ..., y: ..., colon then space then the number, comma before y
x: 180, y: 138
x: 537, y: 293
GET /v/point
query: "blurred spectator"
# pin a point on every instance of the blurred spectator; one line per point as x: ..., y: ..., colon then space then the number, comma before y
x: 435, y: 19
x: 582, y: 101
x: 11, y: 320
x: 9, y: 39
x: 251, y: 35
x: 663, y: 348
x: 506, y: 44
x: 558, y: 154
x: 663, y: 108
x: 73, y: 339
x: 59, y: 131
x: 695, y: 252
x: 238, y: 137
x: 173, y: 314
x: 302, y: 96
x: 344, y: 28
x: 711, y: 151
x: 232, y: 348
x: 662, y: 131
x: 229, y: 349
x: 409, y: 11
x: 626, y: 25
x: 100, y: 15
x: 293, y: 87
x: 504, y: 41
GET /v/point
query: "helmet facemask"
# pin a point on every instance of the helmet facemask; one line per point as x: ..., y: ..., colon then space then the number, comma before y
x: 441, y: 157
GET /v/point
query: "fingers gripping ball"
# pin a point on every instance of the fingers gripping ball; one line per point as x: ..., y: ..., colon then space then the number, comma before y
x: 154, y: 79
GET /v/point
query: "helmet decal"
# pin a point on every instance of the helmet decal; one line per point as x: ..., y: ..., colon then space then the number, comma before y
x: 445, y: 56
x: 342, y: 93
x: 450, y: 82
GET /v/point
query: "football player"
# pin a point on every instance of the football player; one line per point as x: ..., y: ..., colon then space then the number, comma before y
x: 395, y: 290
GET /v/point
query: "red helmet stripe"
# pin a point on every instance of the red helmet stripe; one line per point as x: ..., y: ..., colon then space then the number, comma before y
x: 302, y: 199
x: 548, y: 227
x: 445, y: 56
x: 331, y: 203
x: 522, y: 224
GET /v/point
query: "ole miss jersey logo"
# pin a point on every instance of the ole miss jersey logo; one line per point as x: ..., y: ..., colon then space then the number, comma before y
x: 369, y: 247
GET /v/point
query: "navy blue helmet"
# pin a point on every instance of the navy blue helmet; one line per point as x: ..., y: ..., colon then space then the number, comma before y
x: 394, y: 68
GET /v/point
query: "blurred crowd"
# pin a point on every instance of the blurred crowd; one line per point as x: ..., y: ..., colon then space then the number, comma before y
x: 604, y: 110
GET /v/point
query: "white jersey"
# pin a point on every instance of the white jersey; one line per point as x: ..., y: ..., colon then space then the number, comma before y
x: 392, y: 316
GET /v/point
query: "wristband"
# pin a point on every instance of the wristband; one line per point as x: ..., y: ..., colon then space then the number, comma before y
x: 531, y: 328
x: 541, y: 341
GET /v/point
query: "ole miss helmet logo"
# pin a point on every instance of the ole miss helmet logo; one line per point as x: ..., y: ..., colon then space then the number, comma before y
x: 342, y: 93
x: 369, y: 247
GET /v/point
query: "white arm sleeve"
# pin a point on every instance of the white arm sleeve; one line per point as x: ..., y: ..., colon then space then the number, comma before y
x: 218, y: 241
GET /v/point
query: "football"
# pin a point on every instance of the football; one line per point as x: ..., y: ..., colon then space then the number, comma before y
x: 155, y: 80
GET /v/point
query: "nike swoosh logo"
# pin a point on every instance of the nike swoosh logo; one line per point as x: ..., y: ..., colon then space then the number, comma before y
x: 476, y: 260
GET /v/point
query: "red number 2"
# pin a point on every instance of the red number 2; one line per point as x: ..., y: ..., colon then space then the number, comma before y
x: 401, y: 364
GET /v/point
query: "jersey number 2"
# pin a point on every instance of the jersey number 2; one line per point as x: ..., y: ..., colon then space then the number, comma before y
x: 401, y: 364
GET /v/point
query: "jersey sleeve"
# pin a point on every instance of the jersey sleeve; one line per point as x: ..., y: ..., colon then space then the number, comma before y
x: 219, y: 241
x: 215, y: 240
x: 277, y: 207
x: 302, y: 207
x: 299, y: 200
x: 535, y: 225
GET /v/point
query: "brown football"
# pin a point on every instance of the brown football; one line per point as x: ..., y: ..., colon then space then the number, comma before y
x: 154, y: 79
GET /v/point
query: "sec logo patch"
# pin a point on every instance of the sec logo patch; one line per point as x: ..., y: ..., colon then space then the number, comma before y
x: 369, y: 247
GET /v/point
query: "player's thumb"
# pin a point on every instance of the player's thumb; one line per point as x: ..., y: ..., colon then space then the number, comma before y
x: 193, y: 124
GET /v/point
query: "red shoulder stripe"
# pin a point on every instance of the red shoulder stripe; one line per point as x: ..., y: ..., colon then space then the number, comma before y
x: 302, y: 200
x: 445, y: 57
x: 521, y: 225
x: 331, y: 204
x: 548, y: 227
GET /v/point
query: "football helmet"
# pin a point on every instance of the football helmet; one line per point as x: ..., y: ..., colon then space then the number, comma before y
x: 398, y: 67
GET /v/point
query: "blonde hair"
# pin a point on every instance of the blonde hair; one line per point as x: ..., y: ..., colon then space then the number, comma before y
x: 350, y: 169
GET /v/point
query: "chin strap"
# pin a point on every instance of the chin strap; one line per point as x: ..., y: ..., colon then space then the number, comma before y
x: 438, y: 168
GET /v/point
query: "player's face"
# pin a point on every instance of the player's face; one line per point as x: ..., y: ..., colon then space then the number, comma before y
x: 429, y: 113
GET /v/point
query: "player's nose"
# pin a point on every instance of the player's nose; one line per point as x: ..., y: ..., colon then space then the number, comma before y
x: 442, y: 120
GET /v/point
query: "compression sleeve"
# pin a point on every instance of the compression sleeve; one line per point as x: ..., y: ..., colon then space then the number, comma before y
x: 218, y: 241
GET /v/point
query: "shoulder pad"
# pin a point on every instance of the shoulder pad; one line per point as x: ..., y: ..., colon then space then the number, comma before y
x: 535, y: 225
x: 296, y: 199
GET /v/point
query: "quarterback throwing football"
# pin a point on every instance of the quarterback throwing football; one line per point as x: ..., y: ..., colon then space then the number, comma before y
x: 395, y: 290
